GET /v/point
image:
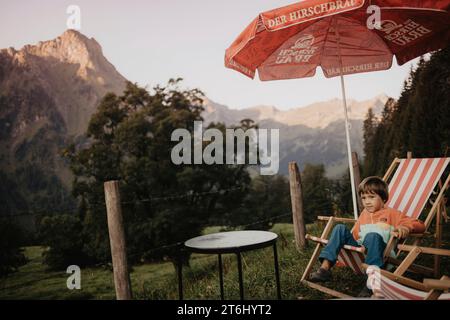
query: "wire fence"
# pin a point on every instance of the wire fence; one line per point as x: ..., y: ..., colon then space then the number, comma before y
x: 154, y: 198
x: 74, y: 209
x: 175, y: 245
x: 37, y: 213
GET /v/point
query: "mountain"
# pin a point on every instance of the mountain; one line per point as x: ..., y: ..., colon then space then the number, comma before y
x: 314, y: 133
x: 48, y: 93
x: 72, y: 71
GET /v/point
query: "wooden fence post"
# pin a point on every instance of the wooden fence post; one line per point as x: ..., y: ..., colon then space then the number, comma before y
x: 357, y: 177
x: 117, y: 241
x: 297, y: 206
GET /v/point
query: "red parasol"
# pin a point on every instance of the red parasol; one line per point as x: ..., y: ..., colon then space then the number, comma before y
x: 342, y: 37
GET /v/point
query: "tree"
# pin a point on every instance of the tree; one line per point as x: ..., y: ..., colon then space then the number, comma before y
x: 369, y: 129
x: 60, y: 234
x: 11, y: 241
x: 267, y: 201
x: 419, y: 121
x: 316, y: 192
x: 163, y: 203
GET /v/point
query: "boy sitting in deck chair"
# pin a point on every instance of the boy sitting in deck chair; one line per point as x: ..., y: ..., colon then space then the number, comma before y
x: 372, y: 229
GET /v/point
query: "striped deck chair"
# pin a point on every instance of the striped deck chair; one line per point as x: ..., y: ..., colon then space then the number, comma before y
x: 391, y: 290
x: 395, y: 286
x: 410, y: 188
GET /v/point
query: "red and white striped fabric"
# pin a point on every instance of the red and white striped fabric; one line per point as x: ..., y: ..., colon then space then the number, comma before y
x: 413, y: 182
x: 352, y: 259
x: 349, y: 256
x: 388, y: 289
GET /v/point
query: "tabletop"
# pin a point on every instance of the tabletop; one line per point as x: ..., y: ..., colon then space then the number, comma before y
x: 232, y: 241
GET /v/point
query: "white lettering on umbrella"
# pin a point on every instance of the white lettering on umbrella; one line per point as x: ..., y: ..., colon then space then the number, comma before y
x: 241, y: 68
x: 402, y: 34
x: 301, y: 51
x: 277, y: 21
x: 366, y: 67
x: 311, y: 12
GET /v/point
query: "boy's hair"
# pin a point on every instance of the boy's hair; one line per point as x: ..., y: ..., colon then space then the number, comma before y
x: 374, y: 185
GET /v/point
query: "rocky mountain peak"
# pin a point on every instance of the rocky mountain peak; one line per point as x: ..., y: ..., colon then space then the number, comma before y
x: 71, y: 47
x: 71, y: 69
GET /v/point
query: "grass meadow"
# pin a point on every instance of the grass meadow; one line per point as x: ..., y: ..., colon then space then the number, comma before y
x: 158, y: 281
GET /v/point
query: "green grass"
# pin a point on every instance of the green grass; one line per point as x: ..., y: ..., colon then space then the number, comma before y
x: 34, y: 281
x: 200, y: 280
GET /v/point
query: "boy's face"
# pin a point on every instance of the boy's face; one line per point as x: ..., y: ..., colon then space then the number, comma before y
x: 372, y: 202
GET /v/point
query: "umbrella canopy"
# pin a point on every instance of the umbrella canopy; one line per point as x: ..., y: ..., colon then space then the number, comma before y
x: 292, y: 41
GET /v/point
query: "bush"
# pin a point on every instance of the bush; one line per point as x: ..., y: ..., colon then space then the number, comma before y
x: 11, y: 240
x: 62, y: 234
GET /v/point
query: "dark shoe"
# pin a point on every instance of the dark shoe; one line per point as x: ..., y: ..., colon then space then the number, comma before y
x: 365, y: 293
x: 320, y: 275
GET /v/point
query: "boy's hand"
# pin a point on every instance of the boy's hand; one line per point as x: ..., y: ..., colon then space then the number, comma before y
x: 403, y: 232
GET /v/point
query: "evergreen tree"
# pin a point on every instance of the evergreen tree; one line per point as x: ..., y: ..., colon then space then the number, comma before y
x: 419, y: 121
x: 369, y: 128
x: 317, y: 190
x: 342, y: 195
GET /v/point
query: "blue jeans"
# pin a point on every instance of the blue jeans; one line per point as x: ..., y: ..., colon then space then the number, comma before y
x: 341, y: 236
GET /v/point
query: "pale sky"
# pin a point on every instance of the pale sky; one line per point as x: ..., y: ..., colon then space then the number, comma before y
x: 151, y: 41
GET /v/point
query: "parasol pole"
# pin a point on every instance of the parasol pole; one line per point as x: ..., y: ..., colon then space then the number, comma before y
x: 347, y: 132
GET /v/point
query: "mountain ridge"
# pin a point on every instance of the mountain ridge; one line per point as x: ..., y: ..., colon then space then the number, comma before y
x: 316, y: 115
x: 311, y: 134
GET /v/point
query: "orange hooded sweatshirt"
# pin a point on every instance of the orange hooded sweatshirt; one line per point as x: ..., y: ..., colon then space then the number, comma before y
x: 387, y: 219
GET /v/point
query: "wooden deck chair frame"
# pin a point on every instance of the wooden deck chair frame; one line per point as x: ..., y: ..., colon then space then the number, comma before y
x: 437, y: 211
x: 353, y: 256
x: 397, y: 286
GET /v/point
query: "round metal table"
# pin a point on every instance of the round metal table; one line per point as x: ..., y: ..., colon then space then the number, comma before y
x: 234, y: 242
